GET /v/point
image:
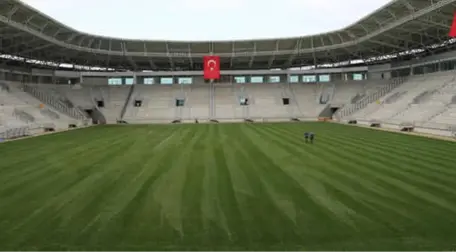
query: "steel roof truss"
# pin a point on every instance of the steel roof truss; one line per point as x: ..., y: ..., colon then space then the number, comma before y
x: 81, y: 40
x: 295, y: 52
x: 150, y: 61
x: 12, y: 11
x: 189, y: 55
x: 91, y: 42
x: 272, y: 58
x: 73, y: 36
x: 57, y: 32
x: 340, y: 37
x: 99, y: 44
x: 233, y: 53
x: 169, y: 56
x: 252, y: 58
x: 386, y: 44
x: 313, y: 51
x: 428, y: 21
x: 129, y: 59
x: 30, y: 19
x: 44, y: 26
x: 408, y: 5
x: 36, y: 48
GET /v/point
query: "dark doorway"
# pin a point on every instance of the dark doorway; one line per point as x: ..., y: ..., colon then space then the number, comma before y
x: 180, y: 102
x: 100, y: 104
x: 286, y: 101
x: 138, y: 103
x: 90, y: 113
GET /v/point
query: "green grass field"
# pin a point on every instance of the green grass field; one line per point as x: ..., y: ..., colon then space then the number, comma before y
x: 227, y: 187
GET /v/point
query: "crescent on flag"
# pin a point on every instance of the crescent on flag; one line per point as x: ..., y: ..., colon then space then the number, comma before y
x: 211, y: 64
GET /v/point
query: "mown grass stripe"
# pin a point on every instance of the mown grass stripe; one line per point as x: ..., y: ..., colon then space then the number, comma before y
x: 227, y: 187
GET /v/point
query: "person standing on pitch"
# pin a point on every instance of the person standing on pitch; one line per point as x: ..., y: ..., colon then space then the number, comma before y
x: 306, y: 136
x: 311, y: 136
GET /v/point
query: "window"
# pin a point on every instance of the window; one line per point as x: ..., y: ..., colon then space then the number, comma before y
x: 274, y: 79
x: 148, y: 81
x: 324, y: 78
x: 239, y: 79
x: 256, y: 79
x: 293, y: 79
x: 166, y: 80
x: 115, y: 81
x: 357, y: 76
x: 128, y: 81
x: 180, y: 102
x: 185, y: 80
x: 309, y: 78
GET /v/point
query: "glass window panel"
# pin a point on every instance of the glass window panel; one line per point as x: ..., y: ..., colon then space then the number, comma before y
x: 257, y: 79
x: 239, y: 79
x: 148, y: 81
x: 166, y: 80
x: 274, y: 79
x: 309, y: 78
x: 324, y: 78
x: 294, y: 79
x: 185, y: 80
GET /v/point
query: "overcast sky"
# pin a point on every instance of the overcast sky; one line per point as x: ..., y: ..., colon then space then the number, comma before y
x: 206, y: 19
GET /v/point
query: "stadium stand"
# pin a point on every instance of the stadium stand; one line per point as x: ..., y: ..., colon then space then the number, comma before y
x: 322, y: 76
x: 114, y: 99
x: 157, y: 104
x: 199, y: 103
x: 266, y: 102
x: 423, y: 101
x: 244, y: 186
x: 29, y: 110
x: 227, y: 100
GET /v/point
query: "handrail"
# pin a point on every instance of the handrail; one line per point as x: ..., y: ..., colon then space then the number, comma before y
x: 350, y: 109
x: 55, y: 103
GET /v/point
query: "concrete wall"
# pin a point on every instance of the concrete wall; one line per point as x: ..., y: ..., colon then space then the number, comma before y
x: 96, y: 81
x: 379, y: 72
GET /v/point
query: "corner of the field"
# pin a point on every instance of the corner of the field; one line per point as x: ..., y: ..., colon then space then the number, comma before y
x: 46, y: 133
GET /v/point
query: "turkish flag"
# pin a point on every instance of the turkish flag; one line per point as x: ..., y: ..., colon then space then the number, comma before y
x: 211, y: 67
x: 453, y: 28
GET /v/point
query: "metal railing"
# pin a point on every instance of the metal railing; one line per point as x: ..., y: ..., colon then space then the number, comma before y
x: 23, y: 116
x: 349, y: 109
x: 14, y: 132
x: 127, y: 102
x: 56, y: 103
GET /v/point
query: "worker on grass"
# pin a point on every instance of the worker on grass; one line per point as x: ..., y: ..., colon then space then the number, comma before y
x: 311, y: 137
x: 306, y: 136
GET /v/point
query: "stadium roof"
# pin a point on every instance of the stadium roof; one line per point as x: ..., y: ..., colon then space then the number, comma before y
x: 397, y: 27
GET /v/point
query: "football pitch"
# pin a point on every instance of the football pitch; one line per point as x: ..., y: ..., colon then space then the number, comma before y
x: 227, y: 187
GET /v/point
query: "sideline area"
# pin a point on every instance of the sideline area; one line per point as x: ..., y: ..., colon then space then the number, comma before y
x: 445, y: 138
x: 43, y: 134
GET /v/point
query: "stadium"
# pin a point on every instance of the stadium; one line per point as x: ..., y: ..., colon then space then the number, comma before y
x: 121, y: 144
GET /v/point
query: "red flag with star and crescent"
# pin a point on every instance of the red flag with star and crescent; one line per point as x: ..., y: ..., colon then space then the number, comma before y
x: 452, y: 32
x: 211, y: 67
